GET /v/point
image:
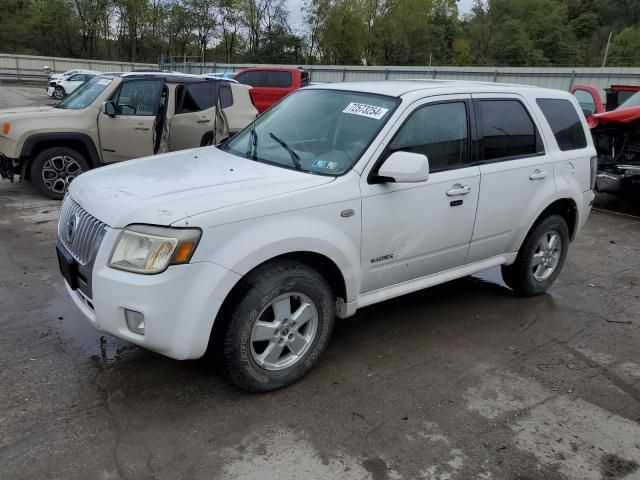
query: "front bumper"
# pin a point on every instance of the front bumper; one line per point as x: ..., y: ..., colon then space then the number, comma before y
x: 9, y: 167
x: 179, y: 305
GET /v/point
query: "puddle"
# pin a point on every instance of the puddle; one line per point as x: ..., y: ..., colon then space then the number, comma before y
x: 78, y: 336
x: 492, y: 275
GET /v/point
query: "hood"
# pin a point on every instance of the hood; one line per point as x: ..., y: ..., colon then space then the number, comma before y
x: 20, y: 112
x: 620, y: 115
x: 165, y: 188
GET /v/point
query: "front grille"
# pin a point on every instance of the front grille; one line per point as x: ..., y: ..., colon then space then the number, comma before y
x: 79, y: 232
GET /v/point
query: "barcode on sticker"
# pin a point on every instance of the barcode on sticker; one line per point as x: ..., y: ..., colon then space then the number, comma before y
x: 364, y: 110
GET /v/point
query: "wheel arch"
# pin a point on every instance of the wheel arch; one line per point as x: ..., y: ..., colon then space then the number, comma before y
x: 566, y: 207
x: 321, y: 263
x: 34, y: 144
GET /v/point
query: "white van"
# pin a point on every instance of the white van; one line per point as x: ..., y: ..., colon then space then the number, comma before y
x: 338, y: 197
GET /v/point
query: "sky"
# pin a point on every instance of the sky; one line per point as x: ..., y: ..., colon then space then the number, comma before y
x: 296, y: 15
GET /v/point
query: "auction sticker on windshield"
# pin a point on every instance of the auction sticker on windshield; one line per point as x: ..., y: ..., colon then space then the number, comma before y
x: 364, y: 110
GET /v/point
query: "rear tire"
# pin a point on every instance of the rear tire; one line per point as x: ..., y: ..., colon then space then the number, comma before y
x: 55, y: 168
x: 279, y: 326
x: 540, y: 258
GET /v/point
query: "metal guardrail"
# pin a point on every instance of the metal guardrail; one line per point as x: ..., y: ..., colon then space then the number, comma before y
x: 30, y: 68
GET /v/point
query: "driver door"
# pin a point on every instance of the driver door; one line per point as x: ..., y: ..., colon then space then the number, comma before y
x: 411, y: 230
x: 130, y: 133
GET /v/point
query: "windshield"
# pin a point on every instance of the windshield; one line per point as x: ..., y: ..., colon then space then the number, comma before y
x: 632, y: 101
x: 85, y: 94
x: 316, y: 131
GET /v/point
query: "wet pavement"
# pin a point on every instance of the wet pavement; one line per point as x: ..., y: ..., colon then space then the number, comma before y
x: 460, y: 381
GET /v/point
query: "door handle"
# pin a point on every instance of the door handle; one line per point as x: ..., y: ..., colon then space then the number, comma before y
x: 203, y: 120
x: 458, y: 189
x: 142, y: 127
x: 537, y: 175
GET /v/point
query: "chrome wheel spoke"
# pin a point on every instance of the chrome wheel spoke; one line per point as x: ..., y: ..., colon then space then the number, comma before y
x: 264, y: 331
x: 302, y: 315
x: 298, y: 344
x: 537, y: 258
x: 271, y: 354
x: 544, y: 243
x: 553, y: 242
x: 282, y: 309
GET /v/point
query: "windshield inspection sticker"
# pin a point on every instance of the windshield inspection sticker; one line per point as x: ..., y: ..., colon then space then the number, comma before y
x: 325, y: 164
x: 364, y: 110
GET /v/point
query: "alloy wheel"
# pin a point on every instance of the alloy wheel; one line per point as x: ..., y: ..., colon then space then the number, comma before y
x: 284, y: 331
x: 546, y: 256
x: 59, y: 171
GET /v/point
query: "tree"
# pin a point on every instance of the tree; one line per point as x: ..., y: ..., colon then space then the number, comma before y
x: 625, y: 48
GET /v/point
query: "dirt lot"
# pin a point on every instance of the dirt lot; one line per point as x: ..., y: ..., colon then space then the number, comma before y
x: 461, y: 381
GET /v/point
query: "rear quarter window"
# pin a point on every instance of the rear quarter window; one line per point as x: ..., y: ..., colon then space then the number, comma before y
x: 564, y: 122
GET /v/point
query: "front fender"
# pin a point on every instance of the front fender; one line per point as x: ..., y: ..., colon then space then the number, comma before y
x: 242, y: 246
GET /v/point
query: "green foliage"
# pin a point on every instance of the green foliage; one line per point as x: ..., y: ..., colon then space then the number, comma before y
x: 371, y: 32
x: 625, y: 48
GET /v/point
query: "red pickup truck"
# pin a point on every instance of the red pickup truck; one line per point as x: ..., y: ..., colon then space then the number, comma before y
x: 270, y: 84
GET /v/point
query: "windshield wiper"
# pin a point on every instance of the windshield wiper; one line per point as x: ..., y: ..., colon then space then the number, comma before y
x: 252, y: 147
x: 295, y: 158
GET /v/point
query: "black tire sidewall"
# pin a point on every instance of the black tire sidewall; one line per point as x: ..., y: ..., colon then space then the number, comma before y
x: 522, y: 274
x: 289, y: 277
x: 42, y: 157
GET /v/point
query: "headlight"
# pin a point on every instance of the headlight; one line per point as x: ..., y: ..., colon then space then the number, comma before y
x: 147, y: 249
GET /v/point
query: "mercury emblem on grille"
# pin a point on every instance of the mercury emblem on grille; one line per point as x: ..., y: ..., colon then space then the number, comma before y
x: 70, y: 230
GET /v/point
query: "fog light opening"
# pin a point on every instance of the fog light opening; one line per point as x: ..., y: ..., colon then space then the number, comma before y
x: 135, y: 321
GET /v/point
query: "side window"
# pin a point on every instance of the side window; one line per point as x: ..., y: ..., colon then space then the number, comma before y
x: 278, y: 79
x: 226, y: 95
x: 507, y: 130
x: 139, y: 97
x: 587, y: 104
x: 565, y: 123
x: 194, y: 97
x: 438, y: 131
x: 78, y: 77
x: 254, y: 78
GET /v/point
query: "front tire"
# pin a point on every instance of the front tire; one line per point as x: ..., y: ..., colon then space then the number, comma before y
x: 55, y: 168
x: 58, y: 93
x: 540, y: 258
x: 279, y: 326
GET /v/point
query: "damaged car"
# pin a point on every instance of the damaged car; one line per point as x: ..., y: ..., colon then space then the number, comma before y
x: 616, y: 135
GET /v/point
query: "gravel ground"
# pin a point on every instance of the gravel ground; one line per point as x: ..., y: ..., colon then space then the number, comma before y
x: 460, y: 381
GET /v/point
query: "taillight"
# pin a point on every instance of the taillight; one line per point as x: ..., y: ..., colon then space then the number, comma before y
x: 594, y: 171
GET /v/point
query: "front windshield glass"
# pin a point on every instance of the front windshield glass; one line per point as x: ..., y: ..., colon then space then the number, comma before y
x: 85, y: 94
x: 316, y: 131
x: 632, y: 101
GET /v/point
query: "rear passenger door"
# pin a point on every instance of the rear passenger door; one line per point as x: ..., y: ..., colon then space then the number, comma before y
x: 193, y: 116
x: 516, y: 174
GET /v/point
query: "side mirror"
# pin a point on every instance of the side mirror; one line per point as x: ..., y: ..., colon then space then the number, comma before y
x: 405, y: 167
x: 108, y: 108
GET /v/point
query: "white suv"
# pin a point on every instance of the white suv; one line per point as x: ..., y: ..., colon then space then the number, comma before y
x: 338, y: 197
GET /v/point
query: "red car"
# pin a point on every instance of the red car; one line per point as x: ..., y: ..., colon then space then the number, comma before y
x: 616, y: 135
x: 270, y: 84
